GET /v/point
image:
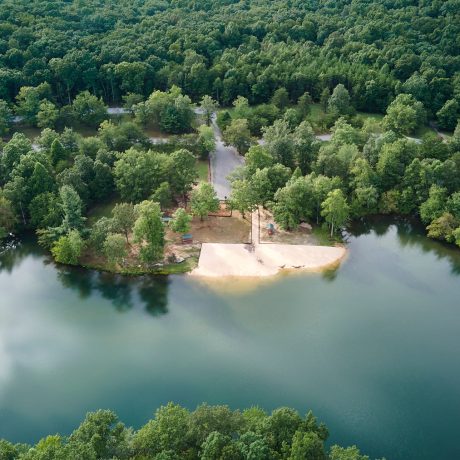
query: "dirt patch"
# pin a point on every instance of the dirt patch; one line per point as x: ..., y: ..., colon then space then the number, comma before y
x: 216, y: 229
x: 301, y: 235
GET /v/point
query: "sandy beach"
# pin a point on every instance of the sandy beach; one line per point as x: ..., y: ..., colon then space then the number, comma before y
x: 240, y: 260
x: 263, y: 259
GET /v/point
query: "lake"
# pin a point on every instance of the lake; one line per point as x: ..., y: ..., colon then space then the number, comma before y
x: 372, y: 348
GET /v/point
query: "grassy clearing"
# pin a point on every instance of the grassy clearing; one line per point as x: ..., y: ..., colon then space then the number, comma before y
x: 202, y: 167
x: 323, y: 236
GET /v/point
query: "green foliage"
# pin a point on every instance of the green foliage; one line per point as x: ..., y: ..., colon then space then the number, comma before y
x: 103, y: 434
x: 99, y: 232
x: 183, y: 173
x: 243, y: 197
x: 123, y: 218
x: 121, y: 136
x: 340, y: 102
x: 307, y: 445
x: 68, y: 248
x: 280, y: 98
x: 13, y: 150
x: 174, y: 433
x: 335, y: 210
x: 404, y: 114
x: 88, y: 109
x: 443, y: 227
x: 293, y: 203
x: 29, y: 101
x: 238, y: 135
x: 434, y: 206
x: 115, y: 248
x: 269, y: 54
x: 148, y: 231
x: 163, y: 195
x: 208, y: 105
x: 204, y: 200
x: 170, y: 111
x: 265, y: 182
x: 8, y: 218
x: 44, y: 210
x: 346, y: 453
x: 449, y: 114
x: 72, y: 208
x: 304, y: 104
x: 57, y: 152
x: 47, y: 115
x: 206, y: 141
x: 6, y: 117
x: 137, y: 173
x: 180, y: 222
x: 223, y: 119
x: 280, y: 143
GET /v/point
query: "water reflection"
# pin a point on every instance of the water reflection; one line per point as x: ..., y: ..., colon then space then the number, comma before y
x: 147, y: 292
x: 410, y: 233
x: 13, y: 250
x: 123, y: 292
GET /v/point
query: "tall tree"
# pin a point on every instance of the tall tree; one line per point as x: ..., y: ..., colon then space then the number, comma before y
x: 123, y: 218
x: 208, y: 106
x: 238, y: 135
x: 72, y: 208
x: 204, y: 200
x: 335, y: 210
x: 6, y: 117
x: 149, y: 232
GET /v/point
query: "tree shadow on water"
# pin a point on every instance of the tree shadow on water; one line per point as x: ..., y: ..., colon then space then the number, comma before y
x: 76, y: 279
x: 153, y: 292
x: 116, y: 289
x: 150, y: 293
x: 410, y: 233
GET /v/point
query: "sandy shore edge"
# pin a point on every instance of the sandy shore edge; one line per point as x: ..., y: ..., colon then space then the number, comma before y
x: 264, y: 260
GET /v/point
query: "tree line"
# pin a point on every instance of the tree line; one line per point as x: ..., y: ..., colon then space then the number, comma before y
x: 120, y: 49
x: 207, y: 433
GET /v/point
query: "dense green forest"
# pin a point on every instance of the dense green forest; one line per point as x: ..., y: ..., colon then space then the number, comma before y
x: 228, y: 48
x: 207, y: 433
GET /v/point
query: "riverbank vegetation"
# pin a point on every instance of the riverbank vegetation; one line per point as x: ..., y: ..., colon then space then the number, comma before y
x: 207, y: 433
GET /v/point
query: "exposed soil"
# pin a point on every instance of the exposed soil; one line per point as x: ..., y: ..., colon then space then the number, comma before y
x: 298, y: 236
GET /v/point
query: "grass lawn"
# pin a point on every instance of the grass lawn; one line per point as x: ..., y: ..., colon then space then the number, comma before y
x: 203, y: 168
x: 372, y: 116
x: 323, y: 236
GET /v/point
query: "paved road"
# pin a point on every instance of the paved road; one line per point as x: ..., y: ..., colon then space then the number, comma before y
x: 224, y: 160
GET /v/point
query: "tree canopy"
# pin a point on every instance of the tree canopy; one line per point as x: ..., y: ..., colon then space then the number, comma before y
x: 207, y: 433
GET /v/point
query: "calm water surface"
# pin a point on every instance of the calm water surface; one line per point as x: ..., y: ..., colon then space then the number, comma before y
x: 372, y: 348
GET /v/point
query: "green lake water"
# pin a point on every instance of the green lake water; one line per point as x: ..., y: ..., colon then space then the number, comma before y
x: 373, y: 348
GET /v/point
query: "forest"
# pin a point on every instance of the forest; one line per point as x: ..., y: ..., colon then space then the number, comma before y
x: 229, y: 48
x: 207, y: 433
